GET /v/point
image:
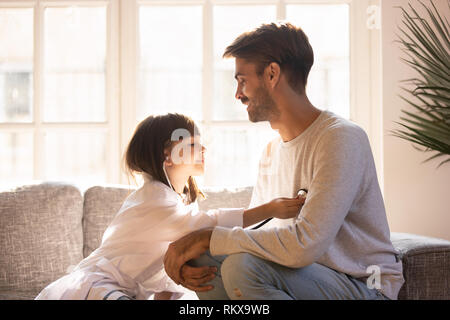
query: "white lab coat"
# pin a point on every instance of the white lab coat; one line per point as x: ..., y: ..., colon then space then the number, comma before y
x: 130, y: 257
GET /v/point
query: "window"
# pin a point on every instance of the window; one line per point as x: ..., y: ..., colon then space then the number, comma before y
x: 16, y: 93
x: 70, y: 96
x: 57, y: 103
x: 329, y: 81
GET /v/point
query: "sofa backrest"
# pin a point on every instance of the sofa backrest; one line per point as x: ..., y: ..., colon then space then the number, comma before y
x: 101, y: 203
x: 40, y: 237
x: 226, y: 198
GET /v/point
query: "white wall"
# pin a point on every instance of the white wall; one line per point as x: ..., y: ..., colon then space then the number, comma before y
x: 417, y: 195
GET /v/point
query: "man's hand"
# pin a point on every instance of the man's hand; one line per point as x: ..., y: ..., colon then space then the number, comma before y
x: 189, y: 247
x: 195, y: 277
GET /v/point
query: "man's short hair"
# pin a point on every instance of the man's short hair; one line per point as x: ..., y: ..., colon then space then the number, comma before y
x: 282, y: 43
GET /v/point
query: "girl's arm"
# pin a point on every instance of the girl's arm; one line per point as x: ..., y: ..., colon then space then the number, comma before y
x: 282, y: 208
x: 179, y: 220
x: 255, y: 215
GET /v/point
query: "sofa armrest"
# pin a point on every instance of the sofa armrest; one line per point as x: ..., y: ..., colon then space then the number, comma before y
x: 426, y: 266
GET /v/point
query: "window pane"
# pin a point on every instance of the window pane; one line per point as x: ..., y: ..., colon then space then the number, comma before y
x: 233, y: 154
x: 76, y: 156
x: 16, y: 157
x: 229, y: 23
x: 329, y: 80
x: 74, y: 60
x: 170, y: 77
x: 16, y: 65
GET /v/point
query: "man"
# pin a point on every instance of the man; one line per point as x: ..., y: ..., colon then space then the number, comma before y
x: 339, y: 246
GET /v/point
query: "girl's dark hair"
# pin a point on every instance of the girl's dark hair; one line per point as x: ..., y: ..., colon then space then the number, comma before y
x: 145, y: 151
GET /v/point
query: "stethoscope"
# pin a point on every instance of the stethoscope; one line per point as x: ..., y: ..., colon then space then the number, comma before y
x: 170, y: 185
x: 301, y: 192
x: 167, y: 176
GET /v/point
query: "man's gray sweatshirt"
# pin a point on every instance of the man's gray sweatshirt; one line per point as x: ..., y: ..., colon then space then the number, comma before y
x: 343, y: 223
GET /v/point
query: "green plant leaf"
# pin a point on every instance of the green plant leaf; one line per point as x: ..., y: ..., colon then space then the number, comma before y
x: 424, y: 55
x: 422, y: 37
x: 445, y: 100
x: 432, y: 125
x: 434, y: 107
x: 434, y: 88
x: 444, y: 27
x: 418, y: 67
x: 423, y: 110
x: 438, y: 155
x: 438, y: 138
x: 424, y: 140
x: 425, y: 42
x: 439, y: 25
x: 443, y: 162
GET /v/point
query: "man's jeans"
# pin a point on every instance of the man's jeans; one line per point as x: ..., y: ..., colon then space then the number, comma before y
x: 247, y: 277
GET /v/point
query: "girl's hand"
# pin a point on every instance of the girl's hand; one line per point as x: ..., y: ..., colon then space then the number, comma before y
x: 281, y: 208
x: 285, y: 208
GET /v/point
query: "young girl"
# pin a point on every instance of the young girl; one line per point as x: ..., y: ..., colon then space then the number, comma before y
x: 129, y: 262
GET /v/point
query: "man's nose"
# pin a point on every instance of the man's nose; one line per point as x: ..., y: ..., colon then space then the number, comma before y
x: 238, y: 95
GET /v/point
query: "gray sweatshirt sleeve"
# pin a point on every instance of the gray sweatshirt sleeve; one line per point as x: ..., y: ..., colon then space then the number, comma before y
x: 340, y: 162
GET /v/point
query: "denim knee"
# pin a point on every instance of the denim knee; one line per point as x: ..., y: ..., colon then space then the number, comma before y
x: 218, y: 293
x: 239, y: 271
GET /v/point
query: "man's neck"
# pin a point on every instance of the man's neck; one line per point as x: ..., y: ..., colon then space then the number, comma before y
x: 296, y: 116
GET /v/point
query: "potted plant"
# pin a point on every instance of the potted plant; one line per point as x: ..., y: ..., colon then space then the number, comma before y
x: 426, y: 42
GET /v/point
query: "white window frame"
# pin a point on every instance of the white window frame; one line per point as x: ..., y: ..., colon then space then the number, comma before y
x: 123, y: 61
x: 38, y: 127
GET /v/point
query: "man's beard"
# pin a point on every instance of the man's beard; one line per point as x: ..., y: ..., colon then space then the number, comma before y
x: 262, y: 107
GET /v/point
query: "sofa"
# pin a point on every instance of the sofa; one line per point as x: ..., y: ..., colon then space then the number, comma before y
x: 46, y: 228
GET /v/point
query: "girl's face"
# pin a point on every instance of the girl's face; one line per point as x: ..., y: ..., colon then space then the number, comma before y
x: 187, y: 157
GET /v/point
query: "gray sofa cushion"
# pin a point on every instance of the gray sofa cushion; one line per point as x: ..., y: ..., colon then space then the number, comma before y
x: 101, y: 203
x: 40, y: 236
x: 426, y: 266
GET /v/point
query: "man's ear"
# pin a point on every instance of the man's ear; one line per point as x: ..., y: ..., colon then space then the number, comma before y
x: 273, y: 71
